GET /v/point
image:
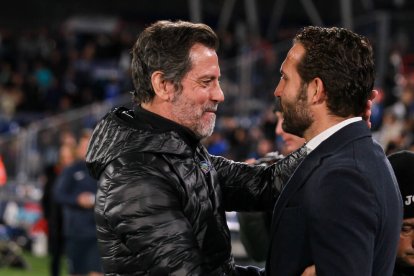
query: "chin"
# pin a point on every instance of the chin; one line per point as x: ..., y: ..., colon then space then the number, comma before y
x: 406, y: 261
x: 204, y: 133
x: 410, y: 261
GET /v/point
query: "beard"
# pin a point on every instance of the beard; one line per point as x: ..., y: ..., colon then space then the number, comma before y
x: 198, y: 118
x: 402, y: 262
x: 296, y: 115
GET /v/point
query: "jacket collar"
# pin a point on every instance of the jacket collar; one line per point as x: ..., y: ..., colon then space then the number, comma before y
x: 123, y: 132
x: 159, y: 123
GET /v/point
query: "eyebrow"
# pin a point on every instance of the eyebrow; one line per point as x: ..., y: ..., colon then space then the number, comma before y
x: 205, y: 78
x: 208, y: 77
x: 200, y: 77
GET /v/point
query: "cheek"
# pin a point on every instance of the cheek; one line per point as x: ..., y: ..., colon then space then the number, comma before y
x: 404, y: 245
x: 196, y: 94
x: 290, y: 94
x: 202, y: 98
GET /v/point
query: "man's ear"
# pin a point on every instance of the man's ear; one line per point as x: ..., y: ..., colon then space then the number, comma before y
x: 162, y: 88
x: 316, y: 90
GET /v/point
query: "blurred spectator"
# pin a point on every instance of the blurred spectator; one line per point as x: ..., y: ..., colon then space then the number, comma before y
x: 76, y: 190
x: 255, y: 226
x: 3, y: 173
x: 287, y: 142
x: 263, y: 147
x: 395, y: 122
x: 52, y: 211
x: 240, y: 144
x: 403, y: 164
x: 217, y: 145
x: 43, y: 75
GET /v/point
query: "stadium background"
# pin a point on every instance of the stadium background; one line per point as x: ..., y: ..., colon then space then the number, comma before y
x: 63, y: 64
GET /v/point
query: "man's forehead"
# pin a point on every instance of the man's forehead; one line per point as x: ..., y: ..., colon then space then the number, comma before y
x: 204, y: 63
x: 205, y: 74
x: 295, y: 53
x: 293, y: 57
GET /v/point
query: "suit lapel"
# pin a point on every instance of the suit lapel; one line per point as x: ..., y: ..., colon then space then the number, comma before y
x: 294, y: 183
x: 328, y: 147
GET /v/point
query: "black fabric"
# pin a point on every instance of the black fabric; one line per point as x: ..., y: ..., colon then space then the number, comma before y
x: 403, y: 164
x: 403, y: 271
x: 160, y: 123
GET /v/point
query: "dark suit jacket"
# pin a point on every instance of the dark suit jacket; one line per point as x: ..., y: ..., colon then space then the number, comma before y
x: 341, y: 210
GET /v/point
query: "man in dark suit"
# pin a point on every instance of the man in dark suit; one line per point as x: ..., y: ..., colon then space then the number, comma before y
x: 341, y: 210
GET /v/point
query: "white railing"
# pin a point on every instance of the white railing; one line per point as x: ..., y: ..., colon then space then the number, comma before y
x: 26, y: 153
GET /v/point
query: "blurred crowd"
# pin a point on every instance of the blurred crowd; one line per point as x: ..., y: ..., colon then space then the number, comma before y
x: 45, y: 71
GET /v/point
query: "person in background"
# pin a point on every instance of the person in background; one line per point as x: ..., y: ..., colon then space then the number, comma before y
x: 289, y: 142
x: 255, y: 226
x: 52, y: 210
x: 403, y: 164
x: 3, y: 173
x: 75, y: 190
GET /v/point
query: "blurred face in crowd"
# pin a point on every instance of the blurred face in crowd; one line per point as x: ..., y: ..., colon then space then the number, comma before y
x: 67, y: 154
x: 405, y: 252
x: 196, y: 104
x: 83, y: 147
x: 290, y: 142
x: 292, y: 94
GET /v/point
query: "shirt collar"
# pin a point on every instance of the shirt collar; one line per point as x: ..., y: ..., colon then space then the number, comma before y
x: 318, y: 139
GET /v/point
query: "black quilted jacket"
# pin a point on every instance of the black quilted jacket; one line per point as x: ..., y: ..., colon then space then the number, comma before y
x: 160, y: 206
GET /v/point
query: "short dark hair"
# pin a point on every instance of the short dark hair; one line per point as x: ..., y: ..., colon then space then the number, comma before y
x: 165, y: 46
x: 344, y: 61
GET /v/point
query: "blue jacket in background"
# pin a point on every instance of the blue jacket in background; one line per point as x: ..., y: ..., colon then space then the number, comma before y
x: 77, y: 221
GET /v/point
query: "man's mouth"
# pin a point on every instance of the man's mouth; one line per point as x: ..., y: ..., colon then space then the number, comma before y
x: 211, y: 110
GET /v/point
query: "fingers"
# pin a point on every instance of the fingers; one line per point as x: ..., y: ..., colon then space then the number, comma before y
x: 374, y: 94
x: 309, y: 271
x: 368, y: 110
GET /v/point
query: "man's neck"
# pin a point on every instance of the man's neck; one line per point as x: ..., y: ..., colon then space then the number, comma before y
x: 159, y: 122
x: 325, y: 134
x: 159, y: 108
x: 321, y: 124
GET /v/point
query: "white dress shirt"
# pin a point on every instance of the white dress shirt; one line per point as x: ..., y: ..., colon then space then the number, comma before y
x: 315, y: 141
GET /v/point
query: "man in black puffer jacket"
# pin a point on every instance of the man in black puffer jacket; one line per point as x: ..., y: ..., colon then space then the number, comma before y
x: 161, y: 201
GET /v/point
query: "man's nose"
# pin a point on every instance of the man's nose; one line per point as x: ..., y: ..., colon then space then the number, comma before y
x: 218, y: 94
x: 278, y: 90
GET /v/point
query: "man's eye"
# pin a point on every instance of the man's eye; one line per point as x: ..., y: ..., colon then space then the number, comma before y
x: 407, y: 230
x: 206, y: 82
